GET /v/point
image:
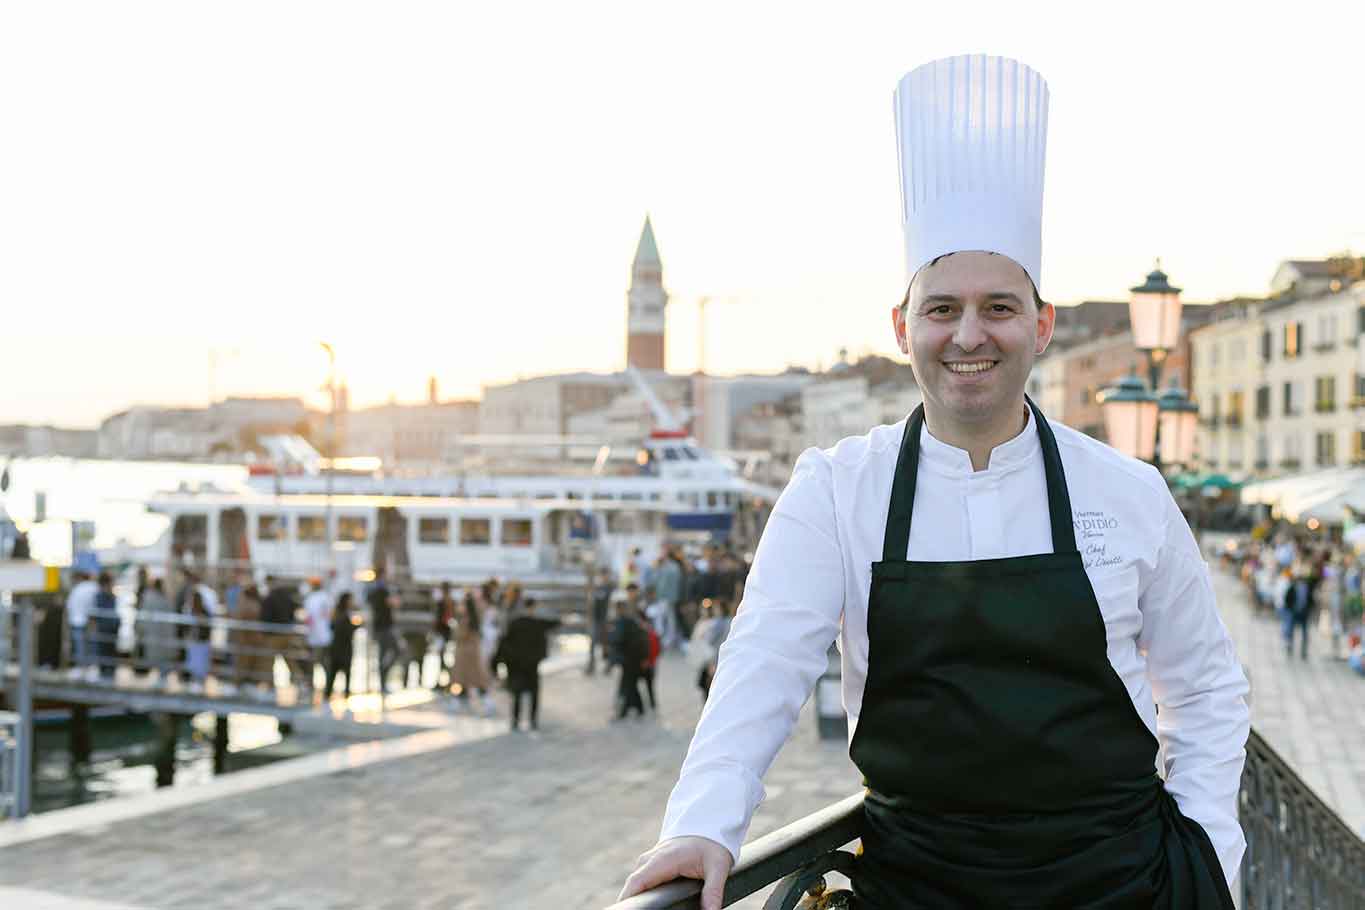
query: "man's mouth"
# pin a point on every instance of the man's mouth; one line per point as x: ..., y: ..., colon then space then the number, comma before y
x: 969, y: 367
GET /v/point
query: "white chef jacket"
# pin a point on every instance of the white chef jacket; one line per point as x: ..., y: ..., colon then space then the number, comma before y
x: 812, y: 573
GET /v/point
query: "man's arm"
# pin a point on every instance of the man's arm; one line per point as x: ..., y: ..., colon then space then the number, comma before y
x: 1200, y: 690
x: 769, y: 664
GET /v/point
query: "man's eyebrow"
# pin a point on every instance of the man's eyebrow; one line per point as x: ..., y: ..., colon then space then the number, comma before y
x: 953, y: 298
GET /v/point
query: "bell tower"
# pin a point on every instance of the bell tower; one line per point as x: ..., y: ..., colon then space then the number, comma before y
x: 645, y: 306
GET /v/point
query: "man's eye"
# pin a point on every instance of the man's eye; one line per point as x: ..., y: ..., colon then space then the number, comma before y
x: 1002, y: 308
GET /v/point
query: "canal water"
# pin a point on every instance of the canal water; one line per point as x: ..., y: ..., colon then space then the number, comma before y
x: 122, y: 762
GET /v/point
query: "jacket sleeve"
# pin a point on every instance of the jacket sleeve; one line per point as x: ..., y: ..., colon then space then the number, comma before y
x: 1200, y: 690
x: 769, y: 663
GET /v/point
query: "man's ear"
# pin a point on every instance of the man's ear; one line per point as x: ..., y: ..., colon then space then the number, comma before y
x: 898, y: 326
x: 1047, y: 321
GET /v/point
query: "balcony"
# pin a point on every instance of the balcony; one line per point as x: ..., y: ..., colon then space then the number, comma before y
x: 1323, y: 347
x: 1325, y: 407
x: 1233, y: 421
x: 1356, y: 402
x: 1210, y: 423
x: 1290, y: 464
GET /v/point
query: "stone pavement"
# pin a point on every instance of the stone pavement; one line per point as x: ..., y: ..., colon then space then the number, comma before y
x: 551, y: 820
x: 555, y: 819
x: 1311, y: 712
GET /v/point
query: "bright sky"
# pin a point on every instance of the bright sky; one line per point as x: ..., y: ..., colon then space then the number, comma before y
x: 457, y: 189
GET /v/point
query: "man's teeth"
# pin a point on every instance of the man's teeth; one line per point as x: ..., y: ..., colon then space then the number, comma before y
x: 970, y: 367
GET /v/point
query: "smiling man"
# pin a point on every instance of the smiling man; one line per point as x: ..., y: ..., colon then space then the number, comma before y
x: 1024, y: 617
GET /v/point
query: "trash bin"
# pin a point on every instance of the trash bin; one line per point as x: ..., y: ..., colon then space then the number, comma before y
x: 830, y: 718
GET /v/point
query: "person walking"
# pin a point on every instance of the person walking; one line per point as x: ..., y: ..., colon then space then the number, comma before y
x: 1296, y: 607
x: 80, y: 602
x: 106, y: 619
x: 442, y: 623
x: 651, y: 662
x: 668, y: 588
x: 317, y: 616
x: 599, y: 609
x: 254, y: 660
x: 470, y: 672
x: 1009, y: 679
x: 382, y: 603
x: 341, y: 653
x: 157, y: 631
x: 198, y: 650
x: 630, y: 649
x: 279, y: 611
x: 524, y: 645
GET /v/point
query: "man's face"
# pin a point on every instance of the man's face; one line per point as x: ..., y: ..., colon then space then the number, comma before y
x: 972, y: 331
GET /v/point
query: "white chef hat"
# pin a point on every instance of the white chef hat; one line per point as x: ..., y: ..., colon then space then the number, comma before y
x: 971, y: 132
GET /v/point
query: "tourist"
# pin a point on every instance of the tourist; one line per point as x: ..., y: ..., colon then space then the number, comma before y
x: 255, y: 661
x: 443, y: 617
x: 651, y: 661
x: 79, y: 604
x: 668, y: 587
x: 317, y: 616
x: 470, y: 674
x: 599, y: 607
x: 1296, y: 606
x: 198, y: 651
x: 158, y: 631
x: 107, y: 624
x: 382, y: 604
x: 341, y: 653
x: 630, y: 650
x: 523, y: 646
x: 279, y: 611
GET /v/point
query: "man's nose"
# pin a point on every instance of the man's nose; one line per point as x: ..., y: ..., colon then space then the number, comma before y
x: 969, y: 334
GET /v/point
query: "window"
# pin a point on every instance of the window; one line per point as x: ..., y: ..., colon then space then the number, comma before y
x: 671, y: 455
x: 1360, y: 320
x: 1262, y: 452
x: 352, y: 528
x: 1235, y: 408
x: 1266, y: 346
x: 433, y: 530
x: 1293, y: 339
x: 516, y: 532
x: 475, y: 532
x: 1358, y: 447
x: 271, y: 527
x: 1325, y: 394
x: 691, y: 453
x: 711, y: 499
x: 1263, y: 402
x: 312, y: 529
x: 1360, y: 391
x: 1326, y: 449
x: 1214, y: 353
x: 1290, y: 406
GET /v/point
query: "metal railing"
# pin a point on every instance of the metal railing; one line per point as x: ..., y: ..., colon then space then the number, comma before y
x: 9, y: 764
x: 1300, y: 854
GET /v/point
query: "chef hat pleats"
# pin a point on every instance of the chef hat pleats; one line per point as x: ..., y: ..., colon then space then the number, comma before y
x: 971, y: 136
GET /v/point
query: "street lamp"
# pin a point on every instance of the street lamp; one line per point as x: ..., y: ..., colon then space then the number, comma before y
x: 1138, y: 423
x: 1130, y: 417
x: 1176, y: 425
x: 1154, y: 314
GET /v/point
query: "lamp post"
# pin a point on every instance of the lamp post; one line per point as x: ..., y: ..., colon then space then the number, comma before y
x: 1137, y: 421
x: 331, y: 441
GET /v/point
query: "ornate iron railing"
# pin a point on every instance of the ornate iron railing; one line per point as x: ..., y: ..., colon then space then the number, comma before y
x: 1300, y: 854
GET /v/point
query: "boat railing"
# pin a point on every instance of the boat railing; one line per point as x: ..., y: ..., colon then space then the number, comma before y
x: 1300, y: 853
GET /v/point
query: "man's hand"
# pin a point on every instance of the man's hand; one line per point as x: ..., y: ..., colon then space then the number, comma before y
x: 683, y: 857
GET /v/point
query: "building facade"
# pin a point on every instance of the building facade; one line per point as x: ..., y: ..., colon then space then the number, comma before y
x: 1281, y: 382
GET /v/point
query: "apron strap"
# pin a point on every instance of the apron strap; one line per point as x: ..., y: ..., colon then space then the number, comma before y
x: 896, y: 542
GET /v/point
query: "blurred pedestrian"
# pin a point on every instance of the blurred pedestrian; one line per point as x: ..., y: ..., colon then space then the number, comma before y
x: 106, y: 620
x: 382, y: 604
x: 599, y: 607
x: 198, y: 651
x: 524, y: 645
x: 630, y: 649
x: 317, y: 616
x: 79, y: 604
x: 470, y: 673
x: 442, y: 622
x: 341, y: 652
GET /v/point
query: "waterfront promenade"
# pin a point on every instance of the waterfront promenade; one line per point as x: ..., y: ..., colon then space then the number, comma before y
x: 548, y: 820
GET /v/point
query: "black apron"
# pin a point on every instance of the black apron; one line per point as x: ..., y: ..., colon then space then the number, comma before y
x: 1005, y: 762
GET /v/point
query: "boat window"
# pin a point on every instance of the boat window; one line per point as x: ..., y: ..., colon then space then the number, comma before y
x: 516, y: 532
x: 603, y: 496
x: 711, y: 499
x: 475, y: 532
x: 653, y: 497
x: 433, y: 530
x: 671, y: 454
x: 544, y: 495
x: 312, y: 529
x: 692, y: 499
x: 271, y: 527
x: 572, y: 495
x: 352, y: 528
x: 729, y: 499
x: 691, y: 453
x: 632, y: 497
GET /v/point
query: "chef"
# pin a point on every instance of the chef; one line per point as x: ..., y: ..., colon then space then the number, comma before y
x: 1024, y: 617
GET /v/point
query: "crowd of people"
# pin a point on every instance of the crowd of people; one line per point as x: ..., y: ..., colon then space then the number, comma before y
x: 1306, y: 581
x: 253, y: 639
x: 672, y: 603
